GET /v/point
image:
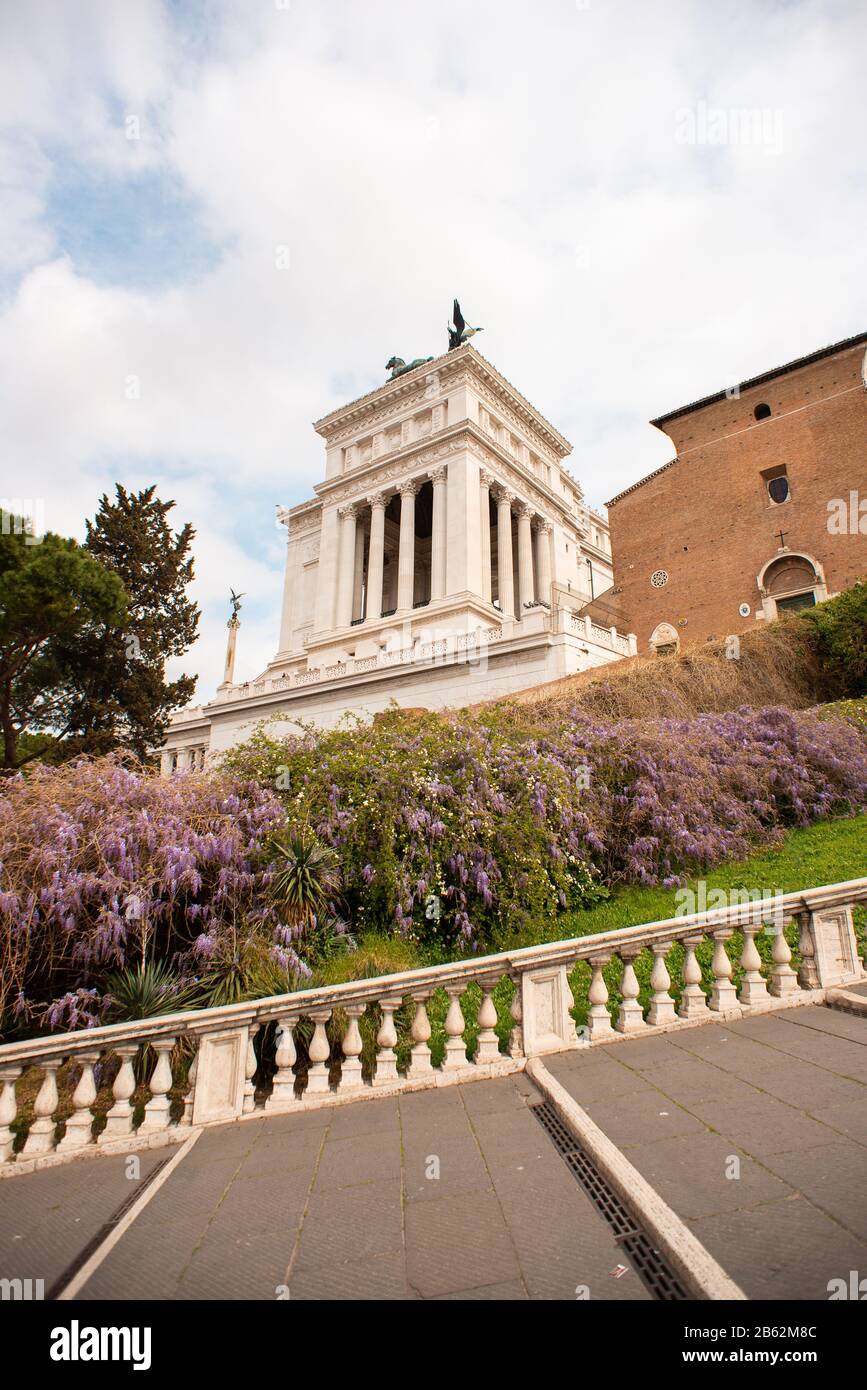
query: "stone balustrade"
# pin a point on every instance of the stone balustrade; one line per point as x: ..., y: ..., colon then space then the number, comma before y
x: 133, y: 1085
x: 606, y: 637
x: 460, y: 646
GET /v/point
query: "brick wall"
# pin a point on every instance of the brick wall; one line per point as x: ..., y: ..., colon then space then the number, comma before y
x: 707, y: 519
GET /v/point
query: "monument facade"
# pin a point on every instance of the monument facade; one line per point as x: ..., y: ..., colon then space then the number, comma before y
x: 444, y: 560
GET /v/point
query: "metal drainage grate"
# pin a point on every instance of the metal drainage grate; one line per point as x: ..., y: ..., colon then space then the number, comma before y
x: 646, y: 1259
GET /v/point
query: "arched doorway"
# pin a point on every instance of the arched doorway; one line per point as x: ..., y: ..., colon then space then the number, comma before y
x: 790, y: 582
x: 665, y: 640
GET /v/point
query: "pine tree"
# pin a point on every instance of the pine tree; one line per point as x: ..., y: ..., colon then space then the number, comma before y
x: 55, y: 602
x: 127, y: 698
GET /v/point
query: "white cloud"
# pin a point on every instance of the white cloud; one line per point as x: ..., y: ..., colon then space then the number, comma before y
x: 524, y: 157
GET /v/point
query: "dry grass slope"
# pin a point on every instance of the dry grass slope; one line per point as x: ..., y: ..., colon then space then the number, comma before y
x: 776, y: 666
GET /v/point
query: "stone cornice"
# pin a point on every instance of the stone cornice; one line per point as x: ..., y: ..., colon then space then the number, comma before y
x: 309, y: 512
x: 387, y: 400
x: 422, y: 455
x: 524, y: 485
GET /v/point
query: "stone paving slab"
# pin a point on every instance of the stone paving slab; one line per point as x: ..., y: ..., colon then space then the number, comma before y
x: 47, y: 1217
x: 450, y: 1193
x: 458, y: 1192
x: 789, y: 1105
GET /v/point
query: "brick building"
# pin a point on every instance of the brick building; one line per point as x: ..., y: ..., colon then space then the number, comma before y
x: 763, y: 509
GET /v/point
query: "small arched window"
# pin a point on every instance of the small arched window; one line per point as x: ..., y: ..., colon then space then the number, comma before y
x: 778, y: 489
x: 762, y: 412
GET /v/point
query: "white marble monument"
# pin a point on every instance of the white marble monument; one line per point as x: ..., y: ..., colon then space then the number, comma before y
x: 444, y: 560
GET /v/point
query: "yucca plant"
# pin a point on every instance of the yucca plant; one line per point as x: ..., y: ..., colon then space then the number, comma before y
x: 242, y: 967
x: 147, y: 990
x: 306, y: 882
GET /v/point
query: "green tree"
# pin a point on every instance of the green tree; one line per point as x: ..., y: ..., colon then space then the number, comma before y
x: 54, y: 598
x: 130, y: 701
x: 841, y: 632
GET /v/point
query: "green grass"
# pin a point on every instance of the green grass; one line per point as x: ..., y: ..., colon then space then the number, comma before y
x: 828, y: 852
x: 855, y: 711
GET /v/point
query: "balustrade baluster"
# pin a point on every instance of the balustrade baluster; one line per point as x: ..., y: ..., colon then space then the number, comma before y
x: 282, y: 1095
x: 630, y: 1017
x: 351, y: 1078
x: 40, y: 1140
x: 488, y: 1045
x: 248, y: 1100
x: 79, y: 1126
x: 118, y: 1121
x: 661, y: 1009
x: 724, y: 998
x: 386, y: 1038
x: 156, y: 1116
x: 8, y: 1109
x: 693, y: 1003
x: 319, y: 1053
x: 598, y: 1018
x: 189, y: 1098
x: 420, y: 1062
x: 516, y: 1010
x: 753, y: 988
x: 784, y: 981
x: 456, y: 1048
x: 808, y: 970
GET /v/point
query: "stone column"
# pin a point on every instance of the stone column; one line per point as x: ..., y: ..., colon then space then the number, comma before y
x: 327, y: 573
x: 346, y: 578
x: 358, y: 572
x: 231, y: 645
x: 526, y: 587
x: 406, y: 558
x: 291, y: 586
x: 463, y: 551
x: 485, y: 481
x: 375, y: 556
x: 504, y: 553
x: 438, y: 536
x: 543, y: 558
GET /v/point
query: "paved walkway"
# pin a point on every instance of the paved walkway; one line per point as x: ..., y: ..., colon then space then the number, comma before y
x: 786, y: 1096
x: 451, y: 1193
x: 459, y: 1192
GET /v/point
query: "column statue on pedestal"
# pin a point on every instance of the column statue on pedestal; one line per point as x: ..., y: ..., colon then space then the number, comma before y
x: 233, y: 624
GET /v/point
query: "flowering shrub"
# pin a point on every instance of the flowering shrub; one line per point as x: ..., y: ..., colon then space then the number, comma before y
x: 457, y: 828
x: 102, y: 866
x: 454, y: 831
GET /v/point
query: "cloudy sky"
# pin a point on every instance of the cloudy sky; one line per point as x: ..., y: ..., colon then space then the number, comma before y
x: 221, y: 219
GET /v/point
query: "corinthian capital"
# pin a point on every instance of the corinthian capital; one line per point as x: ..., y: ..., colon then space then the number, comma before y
x: 409, y: 488
x: 485, y: 478
x: 376, y: 499
x: 438, y: 475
